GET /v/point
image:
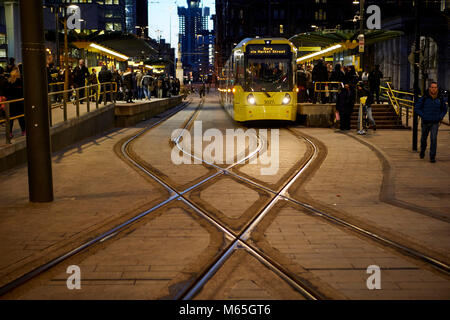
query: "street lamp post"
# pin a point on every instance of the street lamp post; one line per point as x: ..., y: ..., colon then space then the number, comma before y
x: 361, y: 32
x: 40, y: 181
x: 416, y: 74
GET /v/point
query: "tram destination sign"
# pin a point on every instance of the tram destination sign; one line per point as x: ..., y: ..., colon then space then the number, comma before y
x: 268, y: 49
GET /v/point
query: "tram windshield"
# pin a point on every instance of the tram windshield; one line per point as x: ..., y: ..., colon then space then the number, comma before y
x: 268, y: 75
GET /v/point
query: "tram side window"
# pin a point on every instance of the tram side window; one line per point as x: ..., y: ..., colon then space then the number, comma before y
x: 239, y: 69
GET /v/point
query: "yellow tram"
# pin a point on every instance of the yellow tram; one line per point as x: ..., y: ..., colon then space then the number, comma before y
x: 259, y: 80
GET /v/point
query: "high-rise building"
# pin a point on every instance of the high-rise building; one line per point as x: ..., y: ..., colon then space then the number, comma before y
x: 237, y: 20
x: 195, y: 38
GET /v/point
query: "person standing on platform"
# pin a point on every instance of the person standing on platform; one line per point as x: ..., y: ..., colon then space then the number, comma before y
x: 431, y: 109
x: 336, y: 76
x: 375, y: 82
x: 319, y: 74
x: 14, y: 90
x: 92, y: 80
x: 146, y: 81
x: 140, y: 93
x: 80, y: 74
x: 128, y: 85
x: 344, y: 105
x: 105, y: 76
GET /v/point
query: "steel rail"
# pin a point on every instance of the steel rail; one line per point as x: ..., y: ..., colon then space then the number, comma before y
x: 100, y: 238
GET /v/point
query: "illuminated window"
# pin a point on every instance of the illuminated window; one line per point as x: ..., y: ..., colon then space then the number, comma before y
x: 281, y: 28
x: 109, y: 26
x: 117, y: 27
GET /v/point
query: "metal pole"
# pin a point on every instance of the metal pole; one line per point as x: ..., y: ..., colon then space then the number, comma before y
x: 416, y: 76
x: 66, y: 58
x: 58, y: 62
x: 361, y: 31
x: 40, y: 181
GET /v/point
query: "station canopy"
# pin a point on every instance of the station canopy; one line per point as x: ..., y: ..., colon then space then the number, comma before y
x: 333, y: 41
x: 118, y: 46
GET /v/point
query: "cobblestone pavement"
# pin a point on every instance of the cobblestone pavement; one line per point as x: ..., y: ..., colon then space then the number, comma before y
x: 368, y: 181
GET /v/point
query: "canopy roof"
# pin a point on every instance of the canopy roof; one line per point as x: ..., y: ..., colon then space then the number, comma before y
x: 329, y: 37
x: 127, y: 44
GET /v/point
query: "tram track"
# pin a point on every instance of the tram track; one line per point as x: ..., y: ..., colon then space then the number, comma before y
x: 282, y: 194
x: 238, y: 240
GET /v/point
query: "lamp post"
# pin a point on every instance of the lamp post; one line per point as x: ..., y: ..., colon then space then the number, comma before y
x: 40, y: 181
x: 361, y: 32
x: 416, y: 74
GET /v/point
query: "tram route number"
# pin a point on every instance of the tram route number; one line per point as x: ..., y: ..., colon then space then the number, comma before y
x: 230, y: 310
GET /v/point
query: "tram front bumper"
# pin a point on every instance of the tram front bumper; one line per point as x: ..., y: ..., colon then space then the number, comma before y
x: 262, y: 112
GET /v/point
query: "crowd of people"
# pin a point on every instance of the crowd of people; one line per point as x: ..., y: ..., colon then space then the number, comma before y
x: 130, y: 84
x: 341, y: 85
x: 308, y: 75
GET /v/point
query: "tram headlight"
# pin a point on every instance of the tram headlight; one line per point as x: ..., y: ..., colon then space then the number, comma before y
x: 251, y: 99
x: 286, y: 99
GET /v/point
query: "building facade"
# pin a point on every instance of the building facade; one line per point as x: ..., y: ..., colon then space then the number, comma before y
x: 237, y: 20
x: 395, y: 56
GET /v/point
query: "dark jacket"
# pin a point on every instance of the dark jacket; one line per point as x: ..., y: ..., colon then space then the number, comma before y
x: 92, y: 78
x: 320, y: 72
x: 80, y: 75
x: 3, y: 85
x: 15, y: 91
x: 364, y: 92
x: 337, y: 75
x: 105, y: 76
x: 351, y: 77
x: 345, y: 101
x: 429, y: 109
x: 128, y: 80
x: 375, y: 79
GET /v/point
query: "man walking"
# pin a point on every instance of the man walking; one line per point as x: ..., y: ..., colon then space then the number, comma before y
x: 431, y: 109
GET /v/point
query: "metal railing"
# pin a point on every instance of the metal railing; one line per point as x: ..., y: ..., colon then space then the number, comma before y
x: 402, y: 101
x: 61, y: 99
x: 327, y: 88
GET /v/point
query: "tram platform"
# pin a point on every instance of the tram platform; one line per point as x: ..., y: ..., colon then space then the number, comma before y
x: 95, y: 190
x: 89, y: 122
